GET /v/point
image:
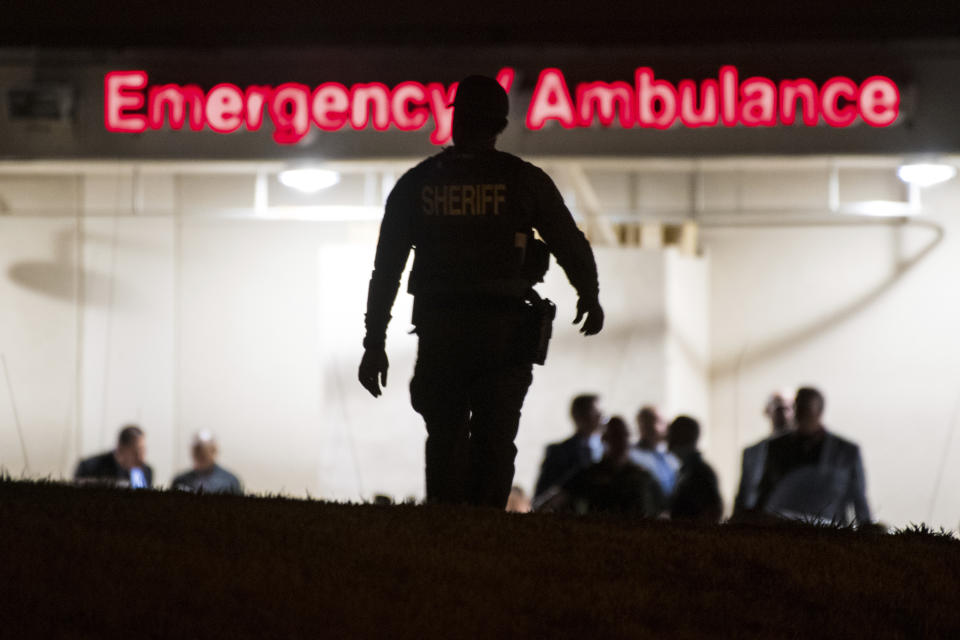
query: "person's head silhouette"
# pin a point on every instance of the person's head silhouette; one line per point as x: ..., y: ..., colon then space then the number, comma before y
x: 808, y: 409
x: 479, y: 112
x: 651, y: 426
x: 779, y: 412
x: 682, y: 435
x: 616, y: 438
x: 131, y: 451
x: 587, y: 417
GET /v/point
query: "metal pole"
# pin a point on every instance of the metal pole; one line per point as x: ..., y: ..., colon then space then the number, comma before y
x: 16, y: 416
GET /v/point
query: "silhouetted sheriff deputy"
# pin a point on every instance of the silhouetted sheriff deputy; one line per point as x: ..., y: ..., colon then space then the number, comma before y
x: 469, y: 213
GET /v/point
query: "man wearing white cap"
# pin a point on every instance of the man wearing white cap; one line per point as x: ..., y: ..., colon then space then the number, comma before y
x: 207, y: 476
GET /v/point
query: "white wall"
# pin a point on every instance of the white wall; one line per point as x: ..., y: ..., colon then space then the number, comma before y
x: 38, y: 342
x: 253, y: 328
x: 829, y: 306
x: 687, y: 341
x: 127, y: 354
x: 248, y: 369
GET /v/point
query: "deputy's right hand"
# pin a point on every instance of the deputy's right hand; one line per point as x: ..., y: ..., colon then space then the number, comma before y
x: 373, y: 370
x: 594, y: 317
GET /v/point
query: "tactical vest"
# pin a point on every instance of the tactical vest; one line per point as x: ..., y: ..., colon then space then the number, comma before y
x: 471, y: 223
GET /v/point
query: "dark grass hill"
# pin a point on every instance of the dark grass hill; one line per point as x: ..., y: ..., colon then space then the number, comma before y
x: 95, y: 563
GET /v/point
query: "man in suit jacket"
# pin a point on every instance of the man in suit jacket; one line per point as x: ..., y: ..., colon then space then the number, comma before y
x: 125, y: 466
x: 696, y: 494
x: 811, y: 474
x: 780, y: 414
x: 562, y: 460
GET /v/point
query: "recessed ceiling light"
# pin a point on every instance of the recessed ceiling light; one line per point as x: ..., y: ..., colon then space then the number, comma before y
x: 926, y: 174
x: 880, y: 208
x: 308, y: 180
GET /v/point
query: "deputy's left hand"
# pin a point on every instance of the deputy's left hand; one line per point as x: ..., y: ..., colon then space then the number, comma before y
x: 593, y: 313
x: 373, y: 371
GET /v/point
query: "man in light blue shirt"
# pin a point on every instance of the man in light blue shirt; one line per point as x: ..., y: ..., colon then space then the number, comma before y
x: 651, y: 451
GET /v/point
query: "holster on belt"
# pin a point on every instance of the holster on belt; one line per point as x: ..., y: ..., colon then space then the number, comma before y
x: 539, y: 329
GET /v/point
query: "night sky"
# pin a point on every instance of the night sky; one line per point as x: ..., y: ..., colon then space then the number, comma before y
x: 113, y: 23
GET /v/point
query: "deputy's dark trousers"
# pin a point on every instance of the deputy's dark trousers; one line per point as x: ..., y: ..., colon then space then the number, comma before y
x: 469, y: 384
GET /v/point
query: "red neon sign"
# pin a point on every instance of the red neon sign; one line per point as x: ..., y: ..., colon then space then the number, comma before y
x: 650, y: 102
x: 754, y: 102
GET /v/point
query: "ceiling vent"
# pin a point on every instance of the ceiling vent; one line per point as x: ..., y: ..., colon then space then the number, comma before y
x: 41, y: 104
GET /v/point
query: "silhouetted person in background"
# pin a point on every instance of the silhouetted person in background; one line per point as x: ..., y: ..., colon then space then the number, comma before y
x: 651, y: 450
x: 470, y: 212
x: 780, y: 413
x: 562, y: 460
x: 125, y: 466
x: 697, y: 494
x: 812, y: 474
x: 615, y: 484
x: 206, y: 476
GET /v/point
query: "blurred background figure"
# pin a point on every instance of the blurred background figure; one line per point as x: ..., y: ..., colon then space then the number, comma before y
x: 812, y: 474
x: 519, y: 501
x: 651, y: 451
x: 206, y: 476
x: 615, y: 484
x: 696, y: 494
x: 779, y: 412
x: 562, y: 460
x: 125, y: 466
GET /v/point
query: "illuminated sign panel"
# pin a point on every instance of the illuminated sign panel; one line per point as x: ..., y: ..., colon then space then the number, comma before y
x: 726, y: 101
x: 131, y: 105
